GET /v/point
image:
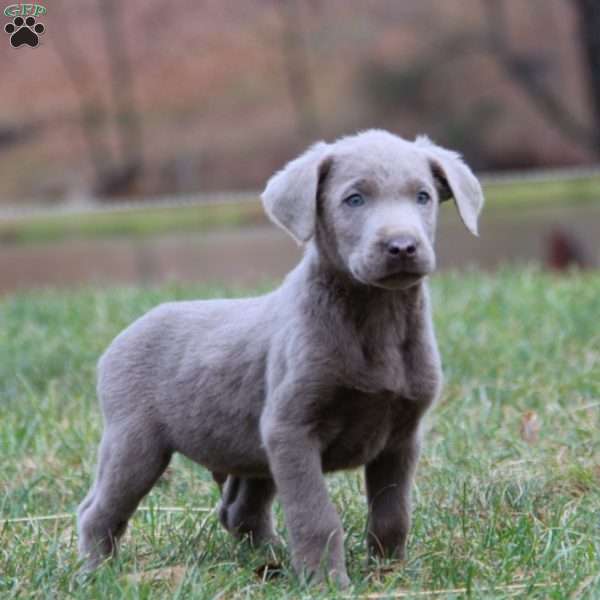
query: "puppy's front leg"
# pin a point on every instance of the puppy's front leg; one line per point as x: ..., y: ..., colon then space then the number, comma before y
x: 314, y: 527
x: 389, y: 480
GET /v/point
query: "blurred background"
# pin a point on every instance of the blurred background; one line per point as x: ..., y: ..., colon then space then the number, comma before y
x: 136, y: 137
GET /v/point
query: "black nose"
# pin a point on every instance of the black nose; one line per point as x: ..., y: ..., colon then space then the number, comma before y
x: 404, y: 246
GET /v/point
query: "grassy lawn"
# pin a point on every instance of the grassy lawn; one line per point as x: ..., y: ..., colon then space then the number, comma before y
x: 500, y: 196
x: 499, y: 511
x: 132, y: 222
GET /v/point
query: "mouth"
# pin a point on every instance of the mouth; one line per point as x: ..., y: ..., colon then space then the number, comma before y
x: 400, y: 279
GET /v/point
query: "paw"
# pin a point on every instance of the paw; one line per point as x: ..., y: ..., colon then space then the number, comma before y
x: 92, y: 554
x: 267, y: 539
x: 256, y: 536
x: 320, y: 578
x: 393, y: 552
x: 388, y: 543
x: 257, y: 529
x: 90, y: 564
x: 339, y: 578
x: 24, y: 31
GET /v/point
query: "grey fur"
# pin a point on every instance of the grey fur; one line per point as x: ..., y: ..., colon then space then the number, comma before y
x: 333, y: 370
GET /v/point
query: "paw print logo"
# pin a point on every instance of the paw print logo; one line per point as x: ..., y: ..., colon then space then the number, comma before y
x: 24, y: 31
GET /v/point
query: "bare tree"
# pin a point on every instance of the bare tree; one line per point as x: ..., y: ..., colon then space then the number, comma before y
x: 112, y: 175
x: 92, y: 115
x: 588, y: 12
x: 297, y: 69
x: 527, y: 70
x: 127, y: 117
x: 530, y: 70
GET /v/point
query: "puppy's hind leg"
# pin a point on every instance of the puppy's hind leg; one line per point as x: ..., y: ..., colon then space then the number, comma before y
x: 220, y: 479
x: 129, y: 464
x: 245, y: 509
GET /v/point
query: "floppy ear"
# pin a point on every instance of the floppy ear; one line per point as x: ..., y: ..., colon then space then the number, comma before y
x: 290, y: 198
x: 455, y: 180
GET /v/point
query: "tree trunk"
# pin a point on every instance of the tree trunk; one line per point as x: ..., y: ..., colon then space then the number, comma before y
x: 588, y: 12
x: 129, y: 128
x: 300, y: 83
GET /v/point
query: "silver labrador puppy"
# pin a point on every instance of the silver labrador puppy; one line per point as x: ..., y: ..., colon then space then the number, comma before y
x: 332, y: 370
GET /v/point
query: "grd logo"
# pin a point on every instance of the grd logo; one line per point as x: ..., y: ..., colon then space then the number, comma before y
x: 24, y: 30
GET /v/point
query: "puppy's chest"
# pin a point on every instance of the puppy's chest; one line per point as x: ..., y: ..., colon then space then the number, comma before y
x: 355, y: 427
x: 374, y: 359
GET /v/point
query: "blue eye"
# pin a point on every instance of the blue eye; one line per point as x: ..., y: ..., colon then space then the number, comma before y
x: 354, y: 200
x: 423, y: 197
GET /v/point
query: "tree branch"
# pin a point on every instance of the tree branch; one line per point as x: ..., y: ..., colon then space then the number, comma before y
x: 297, y: 69
x: 91, y: 113
x: 588, y: 12
x: 523, y: 70
x: 128, y: 121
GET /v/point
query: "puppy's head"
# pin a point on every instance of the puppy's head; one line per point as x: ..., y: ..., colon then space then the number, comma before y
x: 370, y: 201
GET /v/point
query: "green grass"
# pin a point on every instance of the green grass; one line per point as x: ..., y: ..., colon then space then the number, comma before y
x: 533, y: 196
x: 491, y: 510
x: 542, y: 193
x: 132, y: 222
